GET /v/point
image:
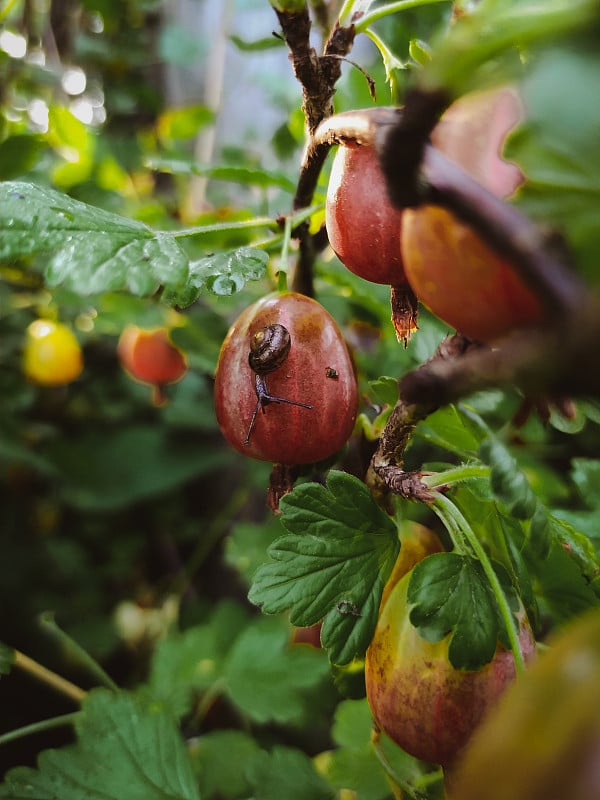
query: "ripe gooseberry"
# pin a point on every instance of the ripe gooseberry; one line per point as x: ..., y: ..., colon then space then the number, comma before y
x: 317, y: 371
x: 543, y: 739
x: 364, y: 228
x: 451, y: 270
x: 417, y: 698
x: 52, y: 355
x: 151, y: 357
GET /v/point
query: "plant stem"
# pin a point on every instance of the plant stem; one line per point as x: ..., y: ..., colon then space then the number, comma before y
x: 456, y: 475
x: 391, y: 8
x: 297, y: 218
x: 285, y: 256
x: 220, y: 227
x: 451, y: 515
x: 418, y: 173
x: 392, y: 774
x: 39, y: 727
x: 4, y: 12
x: 345, y: 15
x: 459, y: 540
x: 93, y: 667
x: 48, y: 677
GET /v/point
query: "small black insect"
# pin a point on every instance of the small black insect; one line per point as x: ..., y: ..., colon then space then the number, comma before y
x: 348, y: 608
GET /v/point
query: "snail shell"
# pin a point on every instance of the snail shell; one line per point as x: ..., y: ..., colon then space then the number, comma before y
x: 269, y: 348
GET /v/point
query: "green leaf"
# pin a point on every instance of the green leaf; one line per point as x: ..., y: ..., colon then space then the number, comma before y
x: 68, y: 135
x: 221, y: 274
x: 287, y: 773
x: 451, y: 595
x: 451, y: 430
x: 126, y: 466
x: 332, y: 565
x: 354, y: 766
x: 501, y: 535
x: 353, y: 724
x: 250, y: 176
x: 247, y: 543
x: 561, y: 589
x: 578, y: 546
x: 557, y: 149
x: 192, y: 661
x: 585, y: 474
x: 93, y: 250
x: 18, y: 154
x: 183, y: 123
x: 385, y: 390
x: 419, y: 51
x: 124, y: 749
x: 7, y: 658
x: 222, y: 760
x: 508, y: 482
x: 270, y: 680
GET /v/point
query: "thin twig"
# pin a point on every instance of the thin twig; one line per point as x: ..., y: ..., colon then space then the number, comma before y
x: 386, y: 471
x: 556, y: 361
x: 48, y: 677
x: 317, y: 75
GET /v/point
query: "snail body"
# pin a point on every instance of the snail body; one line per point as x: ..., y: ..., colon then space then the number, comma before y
x: 260, y: 367
x: 269, y: 348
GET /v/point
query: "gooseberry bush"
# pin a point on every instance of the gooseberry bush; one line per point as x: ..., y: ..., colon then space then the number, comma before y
x: 260, y: 540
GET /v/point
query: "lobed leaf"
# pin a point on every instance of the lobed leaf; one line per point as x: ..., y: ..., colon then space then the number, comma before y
x: 90, y: 250
x: 122, y: 746
x: 450, y: 428
x: 190, y: 662
x: 271, y: 681
x: 451, y: 595
x: 287, y: 773
x: 213, y: 755
x: 508, y: 482
x: 221, y: 273
x: 332, y: 565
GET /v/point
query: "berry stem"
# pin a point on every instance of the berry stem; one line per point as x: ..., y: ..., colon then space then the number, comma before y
x: 455, y: 475
x: 75, y: 649
x: 406, y: 788
x: 285, y: 256
x: 51, y: 679
x: 370, y: 17
x: 39, y: 727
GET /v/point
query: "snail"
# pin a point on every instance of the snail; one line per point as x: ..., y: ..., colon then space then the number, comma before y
x: 269, y: 349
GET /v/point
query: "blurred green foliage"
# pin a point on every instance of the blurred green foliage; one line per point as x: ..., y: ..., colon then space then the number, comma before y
x: 134, y: 523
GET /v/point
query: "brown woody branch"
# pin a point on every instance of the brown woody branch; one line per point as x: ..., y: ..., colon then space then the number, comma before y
x: 386, y: 472
x: 538, y: 256
x: 556, y: 360
x: 317, y: 75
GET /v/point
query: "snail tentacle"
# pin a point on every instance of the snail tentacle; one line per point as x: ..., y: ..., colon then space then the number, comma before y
x: 269, y: 349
